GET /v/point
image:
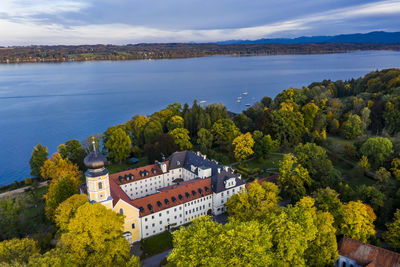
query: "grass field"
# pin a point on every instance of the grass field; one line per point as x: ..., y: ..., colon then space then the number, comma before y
x: 156, y: 244
x: 271, y: 162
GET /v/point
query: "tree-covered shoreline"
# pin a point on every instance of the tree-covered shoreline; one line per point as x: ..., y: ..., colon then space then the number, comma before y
x: 331, y: 138
x: 65, y: 53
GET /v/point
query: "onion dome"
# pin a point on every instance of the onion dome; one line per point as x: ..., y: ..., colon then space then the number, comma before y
x: 95, y: 160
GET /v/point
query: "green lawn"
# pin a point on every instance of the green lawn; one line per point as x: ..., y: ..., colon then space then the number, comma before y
x: 117, y: 167
x: 156, y: 244
x: 271, y: 162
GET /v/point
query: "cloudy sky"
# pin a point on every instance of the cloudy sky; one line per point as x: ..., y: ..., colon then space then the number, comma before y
x: 25, y: 22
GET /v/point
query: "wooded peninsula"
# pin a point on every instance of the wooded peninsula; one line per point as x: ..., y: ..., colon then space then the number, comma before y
x: 63, y: 53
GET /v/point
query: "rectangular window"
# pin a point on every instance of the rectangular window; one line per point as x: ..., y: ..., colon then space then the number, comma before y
x: 160, y: 222
x: 153, y: 224
x: 133, y: 226
x: 160, y: 214
x: 167, y: 211
x: 145, y: 219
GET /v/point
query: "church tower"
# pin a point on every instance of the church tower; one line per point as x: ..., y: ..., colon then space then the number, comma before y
x: 97, y: 180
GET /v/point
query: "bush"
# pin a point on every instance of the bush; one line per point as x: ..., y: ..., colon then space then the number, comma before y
x: 350, y: 152
x: 28, y: 181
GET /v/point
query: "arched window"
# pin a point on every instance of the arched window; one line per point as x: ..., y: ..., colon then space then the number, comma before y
x: 100, y: 185
x: 121, y: 211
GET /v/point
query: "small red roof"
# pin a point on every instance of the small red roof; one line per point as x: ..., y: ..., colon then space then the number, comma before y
x: 272, y: 179
x: 368, y: 255
x: 138, y: 173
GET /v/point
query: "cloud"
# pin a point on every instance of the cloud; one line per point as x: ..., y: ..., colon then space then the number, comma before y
x: 28, y: 31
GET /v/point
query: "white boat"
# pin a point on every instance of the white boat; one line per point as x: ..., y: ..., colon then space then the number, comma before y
x: 239, y: 97
x: 245, y: 93
x: 203, y: 101
x: 238, y: 101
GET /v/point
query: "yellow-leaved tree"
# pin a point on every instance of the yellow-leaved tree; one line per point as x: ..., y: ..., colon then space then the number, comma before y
x: 357, y: 221
x: 243, y: 146
x: 94, y: 237
x: 392, y: 235
x: 67, y: 209
x: 16, y: 250
x: 56, y: 167
x: 255, y: 202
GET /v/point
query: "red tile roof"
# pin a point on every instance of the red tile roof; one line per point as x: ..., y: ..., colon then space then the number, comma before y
x: 368, y: 255
x: 184, y: 190
x: 148, y: 171
x: 272, y: 179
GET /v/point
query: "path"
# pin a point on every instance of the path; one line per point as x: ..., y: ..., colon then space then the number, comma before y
x: 21, y: 190
x: 155, y: 260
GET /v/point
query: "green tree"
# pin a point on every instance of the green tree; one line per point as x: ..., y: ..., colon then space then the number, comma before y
x: 216, y: 111
x: 204, y: 140
x: 176, y: 109
x: 263, y: 144
x: 39, y: 156
x: 243, y: 122
x: 353, y: 127
x: 224, y: 131
x: 59, y: 191
x: 316, y: 161
x: 365, y: 118
x: 175, y: 122
x: 67, y: 209
x: 293, y: 178
x: 17, y: 250
x: 208, y: 243
x: 74, y: 152
x: 378, y: 150
x: 94, y: 237
x: 287, y: 126
x: 392, y: 234
x: 357, y: 221
x: 255, y: 202
x: 327, y: 200
x: 181, y: 138
x: 118, y: 145
x: 243, y: 146
x: 10, y: 209
x: 152, y: 131
x: 392, y: 117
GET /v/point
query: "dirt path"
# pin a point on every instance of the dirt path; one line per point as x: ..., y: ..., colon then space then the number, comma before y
x: 21, y: 190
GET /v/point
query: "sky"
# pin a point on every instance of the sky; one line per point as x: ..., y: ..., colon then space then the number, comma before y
x: 50, y: 22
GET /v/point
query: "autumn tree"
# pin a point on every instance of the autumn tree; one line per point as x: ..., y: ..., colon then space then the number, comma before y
x: 208, y: 243
x: 175, y: 122
x: 255, y: 202
x: 118, y: 145
x: 139, y: 124
x: 16, y: 250
x: 57, y: 166
x: 94, y: 237
x: 357, y: 221
x: 310, y: 110
x: 352, y: 127
x: 67, y: 209
x: 181, y: 138
x: 293, y: 178
x: 38, y: 157
x: 243, y: 146
x: 392, y: 234
x: 263, y: 144
x: 378, y: 150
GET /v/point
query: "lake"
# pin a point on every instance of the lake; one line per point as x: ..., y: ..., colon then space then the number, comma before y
x: 51, y: 103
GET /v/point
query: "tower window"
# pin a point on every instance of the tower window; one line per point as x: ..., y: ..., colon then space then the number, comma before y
x: 133, y: 226
x: 121, y: 211
x: 100, y: 185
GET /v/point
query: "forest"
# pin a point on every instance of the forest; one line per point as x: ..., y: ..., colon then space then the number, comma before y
x: 334, y: 147
x: 62, y: 53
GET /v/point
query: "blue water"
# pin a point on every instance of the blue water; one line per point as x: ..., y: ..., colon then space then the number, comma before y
x: 53, y: 103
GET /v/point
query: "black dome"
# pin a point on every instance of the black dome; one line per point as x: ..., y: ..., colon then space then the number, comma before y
x: 95, y: 160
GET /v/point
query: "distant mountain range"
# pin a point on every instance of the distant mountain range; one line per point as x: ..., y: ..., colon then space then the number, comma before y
x: 371, y: 37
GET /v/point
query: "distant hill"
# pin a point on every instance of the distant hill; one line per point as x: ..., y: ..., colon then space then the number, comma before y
x: 371, y: 37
